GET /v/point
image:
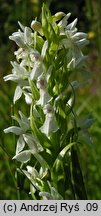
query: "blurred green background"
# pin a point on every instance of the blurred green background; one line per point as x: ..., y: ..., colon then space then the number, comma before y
x: 88, y: 97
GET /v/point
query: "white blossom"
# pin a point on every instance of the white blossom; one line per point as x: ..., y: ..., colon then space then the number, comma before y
x: 43, y: 88
x: 22, y: 38
x: 50, y: 124
x: 35, y: 56
x: 19, y: 73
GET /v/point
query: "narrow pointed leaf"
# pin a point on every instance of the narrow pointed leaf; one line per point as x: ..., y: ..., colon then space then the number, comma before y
x: 78, y: 182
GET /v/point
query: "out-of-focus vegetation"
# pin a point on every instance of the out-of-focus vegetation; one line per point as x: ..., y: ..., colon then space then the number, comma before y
x: 88, y: 14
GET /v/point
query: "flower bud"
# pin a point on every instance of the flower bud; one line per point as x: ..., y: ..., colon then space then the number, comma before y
x: 35, y: 25
x: 58, y: 16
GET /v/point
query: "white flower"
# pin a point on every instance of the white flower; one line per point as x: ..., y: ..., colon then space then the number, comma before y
x: 28, y: 97
x: 63, y: 23
x: 23, y: 122
x: 28, y: 36
x: 52, y: 195
x: 32, y: 143
x: 23, y: 56
x: 44, y: 95
x: 14, y: 129
x: 19, y: 73
x: 35, y: 177
x: 72, y: 39
x: 17, y: 94
x: 35, y: 56
x: 36, y: 71
x: 23, y: 156
x: 22, y: 38
x: 28, y: 94
x: 18, y: 37
x: 72, y: 26
x: 24, y: 138
x: 41, y: 83
x: 35, y: 174
x: 50, y: 124
x: 71, y: 64
x: 18, y: 53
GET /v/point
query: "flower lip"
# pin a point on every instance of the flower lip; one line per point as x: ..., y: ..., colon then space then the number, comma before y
x: 41, y: 83
x: 48, y: 109
x: 35, y: 56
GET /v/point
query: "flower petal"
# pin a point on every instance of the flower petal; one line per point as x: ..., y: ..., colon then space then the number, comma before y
x: 20, y: 144
x: 32, y: 143
x: 36, y: 71
x: 23, y: 157
x: 13, y: 129
x: 49, y: 125
x: 27, y: 36
x: 17, y: 94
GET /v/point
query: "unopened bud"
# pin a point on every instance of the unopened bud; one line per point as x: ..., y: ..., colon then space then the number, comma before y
x: 59, y: 15
x: 35, y: 25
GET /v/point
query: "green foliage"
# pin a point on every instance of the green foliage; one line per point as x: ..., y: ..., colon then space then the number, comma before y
x: 47, y: 137
x: 89, y: 155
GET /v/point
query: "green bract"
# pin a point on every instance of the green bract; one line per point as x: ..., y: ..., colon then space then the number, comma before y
x: 49, y: 54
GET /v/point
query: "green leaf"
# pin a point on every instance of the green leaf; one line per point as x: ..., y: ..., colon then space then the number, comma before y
x: 58, y: 176
x: 39, y: 43
x: 34, y: 90
x: 77, y: 177
x: 54, y: 193
x: 44, y: 49
x: 45, y: 16
x: 65, y: 149
x: 57, y: 171
x: 42, y: 161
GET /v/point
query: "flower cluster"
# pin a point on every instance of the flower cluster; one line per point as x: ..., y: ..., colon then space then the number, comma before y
x: 48, y: 53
